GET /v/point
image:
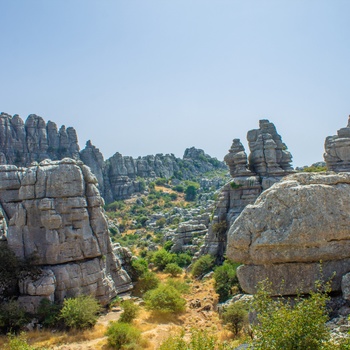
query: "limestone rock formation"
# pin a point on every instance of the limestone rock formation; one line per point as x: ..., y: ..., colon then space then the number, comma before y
x: 295, y: 224
x: 268, y: 163
x: 54, y: 213
x: 24, y: 142
x: 337, y: 150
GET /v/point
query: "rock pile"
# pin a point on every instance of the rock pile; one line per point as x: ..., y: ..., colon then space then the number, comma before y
x: 293, y: 226
x: 54, y: 213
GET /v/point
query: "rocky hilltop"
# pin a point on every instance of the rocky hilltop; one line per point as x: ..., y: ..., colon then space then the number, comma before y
x: 119, y: 177
x: 269, y: 161
x: 53, y: 212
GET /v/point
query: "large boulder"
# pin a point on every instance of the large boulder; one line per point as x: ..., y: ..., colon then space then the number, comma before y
x: 55, y: 214
x: 292, y: 227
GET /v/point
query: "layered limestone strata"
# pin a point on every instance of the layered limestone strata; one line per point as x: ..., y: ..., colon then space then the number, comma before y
x: 268, y: 162
x: 292, y: 226
x: 337, y: 150
x: 54, y: 213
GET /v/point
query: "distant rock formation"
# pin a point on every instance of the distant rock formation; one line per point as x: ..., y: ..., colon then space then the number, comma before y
x: 293, y: 225
x: 337, y: 150
x: 22, y: 143
x: 268, y: 162
x: 54, y: 212
x: 119, y: 177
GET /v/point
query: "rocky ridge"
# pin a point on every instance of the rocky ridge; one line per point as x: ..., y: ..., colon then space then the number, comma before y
x: 268, y: 162
x: 54, y: 213
x: 119, y: 177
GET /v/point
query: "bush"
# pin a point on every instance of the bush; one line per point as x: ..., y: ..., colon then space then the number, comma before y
x: 18, y: 342
x: 161, y: 181
x: 183, y: 259
x: 80, y: 312
x: 48, y: 313
x: 190, y: 193
x: 220, y: 227
x: 138, y: 268
x: 162, y: 258
x: 199, y: 340
x: 12, y: 316
x: 181, y: 287
x: 288, y: 326
x: 161, y: 222
x: 235, y: 316
x: 130, y: 311
x: 173, y: 269
x: 123, y: 336
x: 202, y: 266
x: 164, y: 299
x: 147, y: 281
x: 179, y: 188
x: 167, y: 245
x: 225, y: 278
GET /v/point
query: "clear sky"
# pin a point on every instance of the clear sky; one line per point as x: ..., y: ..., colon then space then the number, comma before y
x: 157, y: 76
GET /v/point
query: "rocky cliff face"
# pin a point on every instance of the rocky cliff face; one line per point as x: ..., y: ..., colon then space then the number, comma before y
x: 119, y: 177
x: 337, y: 150
x: 291, y: 227
x: 34, y: 140
x: 54, y: 212
x: 268, y: 162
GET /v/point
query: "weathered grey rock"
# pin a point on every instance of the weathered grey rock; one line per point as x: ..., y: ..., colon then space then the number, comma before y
x: 22, y: 143
x: 237, y: 160
x: 55, y: 213
x: 293, y: 226
x: 337, y: 150
x: 269, y: 155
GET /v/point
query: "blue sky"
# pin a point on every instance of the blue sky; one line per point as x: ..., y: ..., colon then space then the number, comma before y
x: 145, y: 76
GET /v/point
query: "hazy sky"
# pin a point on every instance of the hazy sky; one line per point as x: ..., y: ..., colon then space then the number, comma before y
x: 145, y: 76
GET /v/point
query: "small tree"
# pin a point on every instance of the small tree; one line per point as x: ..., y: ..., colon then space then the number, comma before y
x: 173, y: 269
x: 190, y: 193
x: 164, y: 299
x: 290, y: 326
x: 202, y: 266
x: 235, y: 316
x: 147, y: 281
x: 80, y: 312
x: 162, y: 258
x: 123, y: 336
x: 130, y: 311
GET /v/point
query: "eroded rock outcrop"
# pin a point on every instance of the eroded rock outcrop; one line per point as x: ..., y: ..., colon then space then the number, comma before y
x: 54, y: 213
x: 34, y: 140
x: 291, y: 227
x: 268, y: 162
x: 337, y: 150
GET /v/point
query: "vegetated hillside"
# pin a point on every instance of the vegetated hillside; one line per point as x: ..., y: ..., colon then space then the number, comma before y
x: 171, y: 212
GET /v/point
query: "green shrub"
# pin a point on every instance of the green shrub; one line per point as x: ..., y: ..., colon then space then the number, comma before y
x: 19, y: 342
x: 48, y: 313
x: 190, y: 193
x: 80, y: 312
x: 138, y: 268
x: 167, y: 245
x: 181, y: 287
x: 162, y: 258
x: 147, y: 281
x: 235, y: 316
x: 179, y: 188
x: 12, y: 316
x: 123, y: 336
x: 130, y: 311
x: 161, y: 222
x: 235, y: 185
x: 173, y: 269
x: 183, y: 259
x: 161, y: 181
x: 173, y: 196
x: 225, y: 278
x: 199, y: 340
x: 117, y: 205
x: 220, y: 227
x: 202, y: 266
x: 164, y: 299
x: 287, y: 325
